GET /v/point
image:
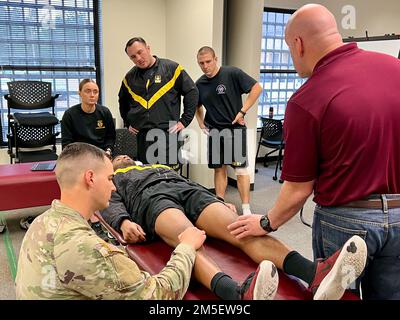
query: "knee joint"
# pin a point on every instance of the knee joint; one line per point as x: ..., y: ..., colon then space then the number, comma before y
x: 241, y: 172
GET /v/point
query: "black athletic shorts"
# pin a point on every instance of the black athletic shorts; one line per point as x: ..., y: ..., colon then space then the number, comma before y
x: 186, y: 196
x: 227, y: 147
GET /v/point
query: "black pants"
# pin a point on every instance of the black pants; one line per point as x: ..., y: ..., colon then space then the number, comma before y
x: 158, y: 146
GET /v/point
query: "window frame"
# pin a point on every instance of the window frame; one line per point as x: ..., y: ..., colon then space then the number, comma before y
x: 96, y: 68
x: 263, y: 106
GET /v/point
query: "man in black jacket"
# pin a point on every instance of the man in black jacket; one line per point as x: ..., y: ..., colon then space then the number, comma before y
x: 153, y: 200
x: 150, y: 98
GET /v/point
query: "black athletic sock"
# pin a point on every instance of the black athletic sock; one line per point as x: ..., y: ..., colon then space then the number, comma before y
x: 297, y: 265
x: 225, y: 287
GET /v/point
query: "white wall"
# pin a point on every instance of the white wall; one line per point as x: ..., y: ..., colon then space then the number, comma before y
x: 377, y: 17
x: 192, y: 24
x: 244, y: 50
x: 122, y: 20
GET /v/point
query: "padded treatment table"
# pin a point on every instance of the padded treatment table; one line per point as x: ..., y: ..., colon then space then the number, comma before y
x: 153, y: 256
x: 22, y: 188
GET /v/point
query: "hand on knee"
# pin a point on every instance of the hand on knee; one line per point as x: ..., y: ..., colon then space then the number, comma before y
x: 193, y: 237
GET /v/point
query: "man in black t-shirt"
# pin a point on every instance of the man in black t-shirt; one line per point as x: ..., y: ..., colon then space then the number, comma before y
x: 220, y: 92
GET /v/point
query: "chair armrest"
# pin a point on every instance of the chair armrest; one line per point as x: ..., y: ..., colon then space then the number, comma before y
x: 110, y: 229
x: 56, y: 96
x: 7, y: 97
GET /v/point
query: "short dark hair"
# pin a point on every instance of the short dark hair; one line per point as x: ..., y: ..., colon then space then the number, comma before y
x: 206, y: 49
x: 133, y: 40
x: 83, y: 82
x: 80, y: 149
x: 75, y: 158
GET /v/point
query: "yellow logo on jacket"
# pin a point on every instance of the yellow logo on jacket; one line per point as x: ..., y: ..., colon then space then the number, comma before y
x: 100, y: 124
x: 157, y: 78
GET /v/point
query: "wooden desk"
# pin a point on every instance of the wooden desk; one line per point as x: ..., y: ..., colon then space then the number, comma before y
x: 22, y: 188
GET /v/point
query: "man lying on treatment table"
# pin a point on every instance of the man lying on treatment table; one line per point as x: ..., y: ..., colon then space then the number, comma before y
x: 153, y: 200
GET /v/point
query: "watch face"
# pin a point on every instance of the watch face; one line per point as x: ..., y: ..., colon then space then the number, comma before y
x: 264, y: 222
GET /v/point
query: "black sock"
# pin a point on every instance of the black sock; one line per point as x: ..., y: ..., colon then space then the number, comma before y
x: 297, y: 265
x: 225, y: 287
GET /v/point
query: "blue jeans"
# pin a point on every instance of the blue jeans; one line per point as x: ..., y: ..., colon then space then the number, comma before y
x: 333, y: 226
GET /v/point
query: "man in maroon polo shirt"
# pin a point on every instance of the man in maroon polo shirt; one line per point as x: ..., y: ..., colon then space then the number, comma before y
x: 342, y: 130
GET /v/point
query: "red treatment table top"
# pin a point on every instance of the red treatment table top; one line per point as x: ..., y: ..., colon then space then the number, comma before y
x: 153, y: 256
x: 22, y: 188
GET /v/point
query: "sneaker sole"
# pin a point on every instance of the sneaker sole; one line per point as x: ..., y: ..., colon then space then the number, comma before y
x: 347, y: 268
x: 267, y: 281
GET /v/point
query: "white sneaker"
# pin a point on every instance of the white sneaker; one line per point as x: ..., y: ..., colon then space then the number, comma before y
x: 246, y: 209
x: 262, y: 284
x: 335, y: 274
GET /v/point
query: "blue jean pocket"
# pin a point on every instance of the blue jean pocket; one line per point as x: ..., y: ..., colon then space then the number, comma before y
x: 334, y: 236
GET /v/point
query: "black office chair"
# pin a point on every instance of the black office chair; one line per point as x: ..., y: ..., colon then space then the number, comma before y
x: 31, y: 135
x: 272, y: 137
x: 125, y: 143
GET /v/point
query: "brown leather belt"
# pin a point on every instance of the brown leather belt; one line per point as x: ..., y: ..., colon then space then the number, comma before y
x: 372, y: 204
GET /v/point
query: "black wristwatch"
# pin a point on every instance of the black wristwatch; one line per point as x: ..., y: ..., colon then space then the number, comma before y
x: 243, y: 113
x: 266, y: 224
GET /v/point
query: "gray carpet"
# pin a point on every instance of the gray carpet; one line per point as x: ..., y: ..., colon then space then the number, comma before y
x: 293, y: 233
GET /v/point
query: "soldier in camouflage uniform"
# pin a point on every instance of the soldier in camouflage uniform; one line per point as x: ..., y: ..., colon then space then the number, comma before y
x: 62, y: 258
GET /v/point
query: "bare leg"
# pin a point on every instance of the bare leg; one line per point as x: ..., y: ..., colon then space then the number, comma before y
x: 216, y: 217
x: 220, y: 181
x: 243, y: 184
x: 204, y: 268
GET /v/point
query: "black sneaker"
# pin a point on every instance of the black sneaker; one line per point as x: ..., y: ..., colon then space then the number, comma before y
x: 25, y: 223
x: 96, y: 226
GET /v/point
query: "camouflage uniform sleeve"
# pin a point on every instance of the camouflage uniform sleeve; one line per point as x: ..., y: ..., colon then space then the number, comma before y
x: 99, y: 270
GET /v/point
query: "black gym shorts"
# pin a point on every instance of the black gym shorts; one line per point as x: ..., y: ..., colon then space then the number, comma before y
x: 227, y: 147
x: 186, y: 196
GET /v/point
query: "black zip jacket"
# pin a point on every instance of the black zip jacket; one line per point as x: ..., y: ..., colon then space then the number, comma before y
x: 151, y: 98
x: 130, y: 183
